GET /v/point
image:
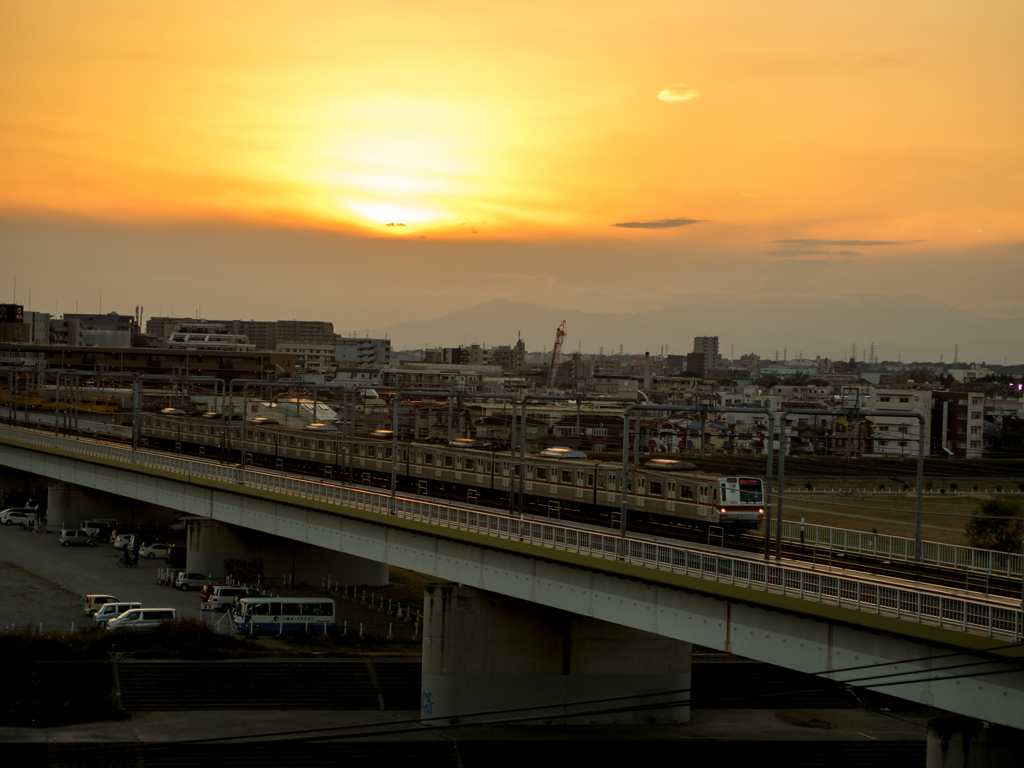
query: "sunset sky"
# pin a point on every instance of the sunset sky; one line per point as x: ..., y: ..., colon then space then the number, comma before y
x: 375, y: 163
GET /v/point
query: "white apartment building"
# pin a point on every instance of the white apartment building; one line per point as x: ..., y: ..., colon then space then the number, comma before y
x: 900, y: 433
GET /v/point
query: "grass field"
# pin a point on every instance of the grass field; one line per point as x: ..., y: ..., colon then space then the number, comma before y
x: 892, y: 514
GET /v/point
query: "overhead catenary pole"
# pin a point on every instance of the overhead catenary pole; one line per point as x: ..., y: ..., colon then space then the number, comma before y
x: 918, y: 545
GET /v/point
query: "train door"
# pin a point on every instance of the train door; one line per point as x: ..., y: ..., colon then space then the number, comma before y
x: 458, y: 468
x: 505, y: 472
x: 641, y: 490
x: 418, y: 466
x: 528, y: 480
x: 703, y: 501
x: 552, y: 481
x: 579, y: 484
x: 670, y: 496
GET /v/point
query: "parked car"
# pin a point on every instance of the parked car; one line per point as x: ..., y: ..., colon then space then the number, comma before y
x: 137, y: 541
x: 153, y: 551
x: 94, y: 602
x: 186, y: 581
x: 112, y: 611
x: 180, y: 524
x: 143, y: 618
x: 70, y: 537
x: 18, y: 516
x: 96, y: 527
x: 223, y: 598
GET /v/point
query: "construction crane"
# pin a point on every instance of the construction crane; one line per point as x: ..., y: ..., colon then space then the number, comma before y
x: 556, y: 352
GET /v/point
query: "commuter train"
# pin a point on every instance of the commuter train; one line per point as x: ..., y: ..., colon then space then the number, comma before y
x: 559, y: 481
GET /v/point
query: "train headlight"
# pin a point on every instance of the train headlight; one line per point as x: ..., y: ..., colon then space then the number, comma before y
x: 723, y: 510
x: 760, y: 511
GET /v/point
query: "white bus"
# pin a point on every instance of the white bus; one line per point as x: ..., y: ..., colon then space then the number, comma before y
x: 273, y: 615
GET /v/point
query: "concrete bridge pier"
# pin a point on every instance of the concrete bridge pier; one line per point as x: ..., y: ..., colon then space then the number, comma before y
x: 484, y: 652
x: 216, y: 548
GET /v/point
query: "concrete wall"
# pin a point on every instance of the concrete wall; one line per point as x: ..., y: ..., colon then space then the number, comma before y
x: 484, y: 652
x: 217, y: 548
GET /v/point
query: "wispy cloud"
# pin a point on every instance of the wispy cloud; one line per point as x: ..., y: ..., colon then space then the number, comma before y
x: 811, y: 252
x: 658, y: 223
x: 813, y: 243
x: 677, y: 92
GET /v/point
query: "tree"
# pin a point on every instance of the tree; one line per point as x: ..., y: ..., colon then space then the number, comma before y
x: 996, y: 525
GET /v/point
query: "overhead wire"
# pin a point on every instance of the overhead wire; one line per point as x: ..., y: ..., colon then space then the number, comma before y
x: 433, y: 724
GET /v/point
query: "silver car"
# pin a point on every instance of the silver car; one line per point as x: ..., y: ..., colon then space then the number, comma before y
x: 186, y: 581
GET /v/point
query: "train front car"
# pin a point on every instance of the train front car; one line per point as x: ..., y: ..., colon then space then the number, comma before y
x: 741, y: 502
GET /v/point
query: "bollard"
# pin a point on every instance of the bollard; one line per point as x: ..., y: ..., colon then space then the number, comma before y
x: 391, y: 634
x: 345, y: 631
x: 415, y: 630
x: 360, y: 630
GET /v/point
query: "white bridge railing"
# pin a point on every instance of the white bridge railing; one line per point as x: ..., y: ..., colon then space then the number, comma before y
x: 967, y: 559
x: 921, y: 606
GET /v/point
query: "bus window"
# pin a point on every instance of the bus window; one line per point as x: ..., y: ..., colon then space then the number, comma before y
x: 290, y: 609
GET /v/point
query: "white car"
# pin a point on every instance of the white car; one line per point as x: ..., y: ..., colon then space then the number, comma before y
x: 18, y: 516
x: 111, y: 611
x: 153, y: 551
x: 143, y: 618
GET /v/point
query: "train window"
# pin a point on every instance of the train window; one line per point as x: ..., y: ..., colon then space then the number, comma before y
x: 487, y: 466
x: 566, y: 476
x: 716, y: 494
x: 468, y: 464
x: 655, y: 488
x: 685, y: 492
x: 403, y: 455
x: 305, y: 444
x: 590, y: 480
x: 541, y: 473
x: 428, y: 458
x: 387, y: 453
x: 449, y: 461
x: 291, y: 441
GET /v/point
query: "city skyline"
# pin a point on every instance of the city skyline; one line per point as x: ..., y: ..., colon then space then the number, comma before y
x: 374, y: 166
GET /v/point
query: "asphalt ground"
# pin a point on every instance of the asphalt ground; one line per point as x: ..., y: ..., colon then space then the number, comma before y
x: 45, y: 583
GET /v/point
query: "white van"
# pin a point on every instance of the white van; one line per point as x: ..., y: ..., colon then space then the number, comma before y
x: 112, y: 611
x: 143, y: 618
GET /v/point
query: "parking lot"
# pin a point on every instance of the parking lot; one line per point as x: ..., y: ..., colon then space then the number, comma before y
x: 45, y: 583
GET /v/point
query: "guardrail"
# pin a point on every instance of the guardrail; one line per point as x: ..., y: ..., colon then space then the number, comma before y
x: 967, y: 559
x: 923, y: 607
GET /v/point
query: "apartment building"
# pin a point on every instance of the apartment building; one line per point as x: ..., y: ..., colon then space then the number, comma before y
x: 958, y: 424
x: 363, y: 351
x: 899, y: 434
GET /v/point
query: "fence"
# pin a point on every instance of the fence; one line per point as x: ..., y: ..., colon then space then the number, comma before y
x: 921, y: 606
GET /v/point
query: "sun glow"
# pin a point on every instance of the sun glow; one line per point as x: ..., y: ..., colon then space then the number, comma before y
x: 393, y: 215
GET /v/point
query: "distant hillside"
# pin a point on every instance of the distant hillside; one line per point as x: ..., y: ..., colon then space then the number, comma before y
x: 912, y: 325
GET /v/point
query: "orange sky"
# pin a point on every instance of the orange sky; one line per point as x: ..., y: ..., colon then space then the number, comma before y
x: 838, y: 128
